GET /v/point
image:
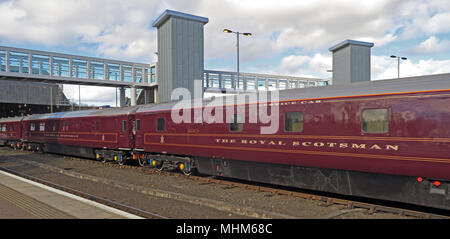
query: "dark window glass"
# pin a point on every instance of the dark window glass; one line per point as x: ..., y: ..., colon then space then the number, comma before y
x: 124, y: 125
x: 12, y: 127
x: 236, y: 124
x: 375, y: 121
x: 138, y: 124
x: 293, y: 122
x: 160, y: 124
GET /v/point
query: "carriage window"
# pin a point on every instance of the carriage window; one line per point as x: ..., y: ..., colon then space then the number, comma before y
x: 32, y: 127
x: 237, y: 124
x: 293, y: 122
x: 375, y: 121
x: 3, y: 127
x: 12, y: 127
x: 160, y: 124
x: 138, y: 124
x: 41, y: 126
x: 124, y: 125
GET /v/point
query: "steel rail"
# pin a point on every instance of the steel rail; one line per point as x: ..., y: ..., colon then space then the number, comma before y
x: 101, y: 200
x: 327, y: 200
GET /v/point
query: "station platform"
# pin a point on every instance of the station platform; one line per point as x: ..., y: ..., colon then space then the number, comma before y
x: 24, y: 199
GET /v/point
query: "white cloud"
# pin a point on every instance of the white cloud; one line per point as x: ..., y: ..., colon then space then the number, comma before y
x: 431, y: 45
x: 302, y: 31
x: 386, y: 67
x: 439, y: 23
x: 113, y: 28
x: 92, y: 95
x: 109, y: 28
x: 303, y: 26
x: 306, y: 66
x: 382, y: 67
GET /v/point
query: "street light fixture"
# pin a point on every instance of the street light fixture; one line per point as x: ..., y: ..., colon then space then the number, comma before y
x: 398, y: 63
x: 237, y: 46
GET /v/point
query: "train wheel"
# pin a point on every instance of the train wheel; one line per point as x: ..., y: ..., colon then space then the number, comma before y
x: 38, y: 148
x: 187, y: 173
x: 122, y: 160
x: 141, y: 161
x: 185, y: 169
x: 159, y: 167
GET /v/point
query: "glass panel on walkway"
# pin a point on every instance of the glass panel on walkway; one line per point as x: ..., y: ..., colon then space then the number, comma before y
x: 60, y: 67
x: 79, y: 69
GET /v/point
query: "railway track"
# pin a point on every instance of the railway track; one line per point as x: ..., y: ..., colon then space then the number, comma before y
x: 348, y: 205
x: 326, y: 200
x: 104, y: 201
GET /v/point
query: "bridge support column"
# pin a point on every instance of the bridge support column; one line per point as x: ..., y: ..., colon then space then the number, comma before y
x: 133, y: 95
x: 122, y: 97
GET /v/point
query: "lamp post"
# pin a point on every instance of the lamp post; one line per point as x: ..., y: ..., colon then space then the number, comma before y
x: 398, y: 63
x: 237, y: 46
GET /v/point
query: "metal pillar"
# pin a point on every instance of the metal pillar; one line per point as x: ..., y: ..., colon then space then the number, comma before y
x: 133, y: 95
x: 238, y: 83
x: 51, y: 98
x: 79, y: 97
x: 122, y: 97
x: 7, y: 61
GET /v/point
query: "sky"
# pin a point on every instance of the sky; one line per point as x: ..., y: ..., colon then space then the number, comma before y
x: 290, y: 37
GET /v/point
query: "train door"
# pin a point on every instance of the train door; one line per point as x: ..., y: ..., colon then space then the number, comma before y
x: 123, y: 132
x: 138, y: 135
x: 132, y: 130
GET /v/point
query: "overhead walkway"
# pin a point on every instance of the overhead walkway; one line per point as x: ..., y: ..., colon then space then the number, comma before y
x: 227, y: 81
x: 25, y: 64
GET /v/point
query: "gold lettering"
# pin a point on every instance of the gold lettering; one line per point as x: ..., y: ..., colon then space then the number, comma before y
x: 253, y: 141
x: 295, y: 143
x: 232, y: 141
x: 243, y: 141
x: 281, y: 143
x: 393, y: 147
x: 272, y: 142
x: 262, y: 141
x: 306, y: 144
x: 331, y: 145
x: 358, y: 146
x: 319, y: 144
x: 375, y: 147
x: 217, y: 140
x: 343, y: 145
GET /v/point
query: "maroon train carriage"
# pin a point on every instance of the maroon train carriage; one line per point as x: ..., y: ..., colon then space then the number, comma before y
x: 382, y: 139
x: 10, y: 131
x: 102, y: 134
